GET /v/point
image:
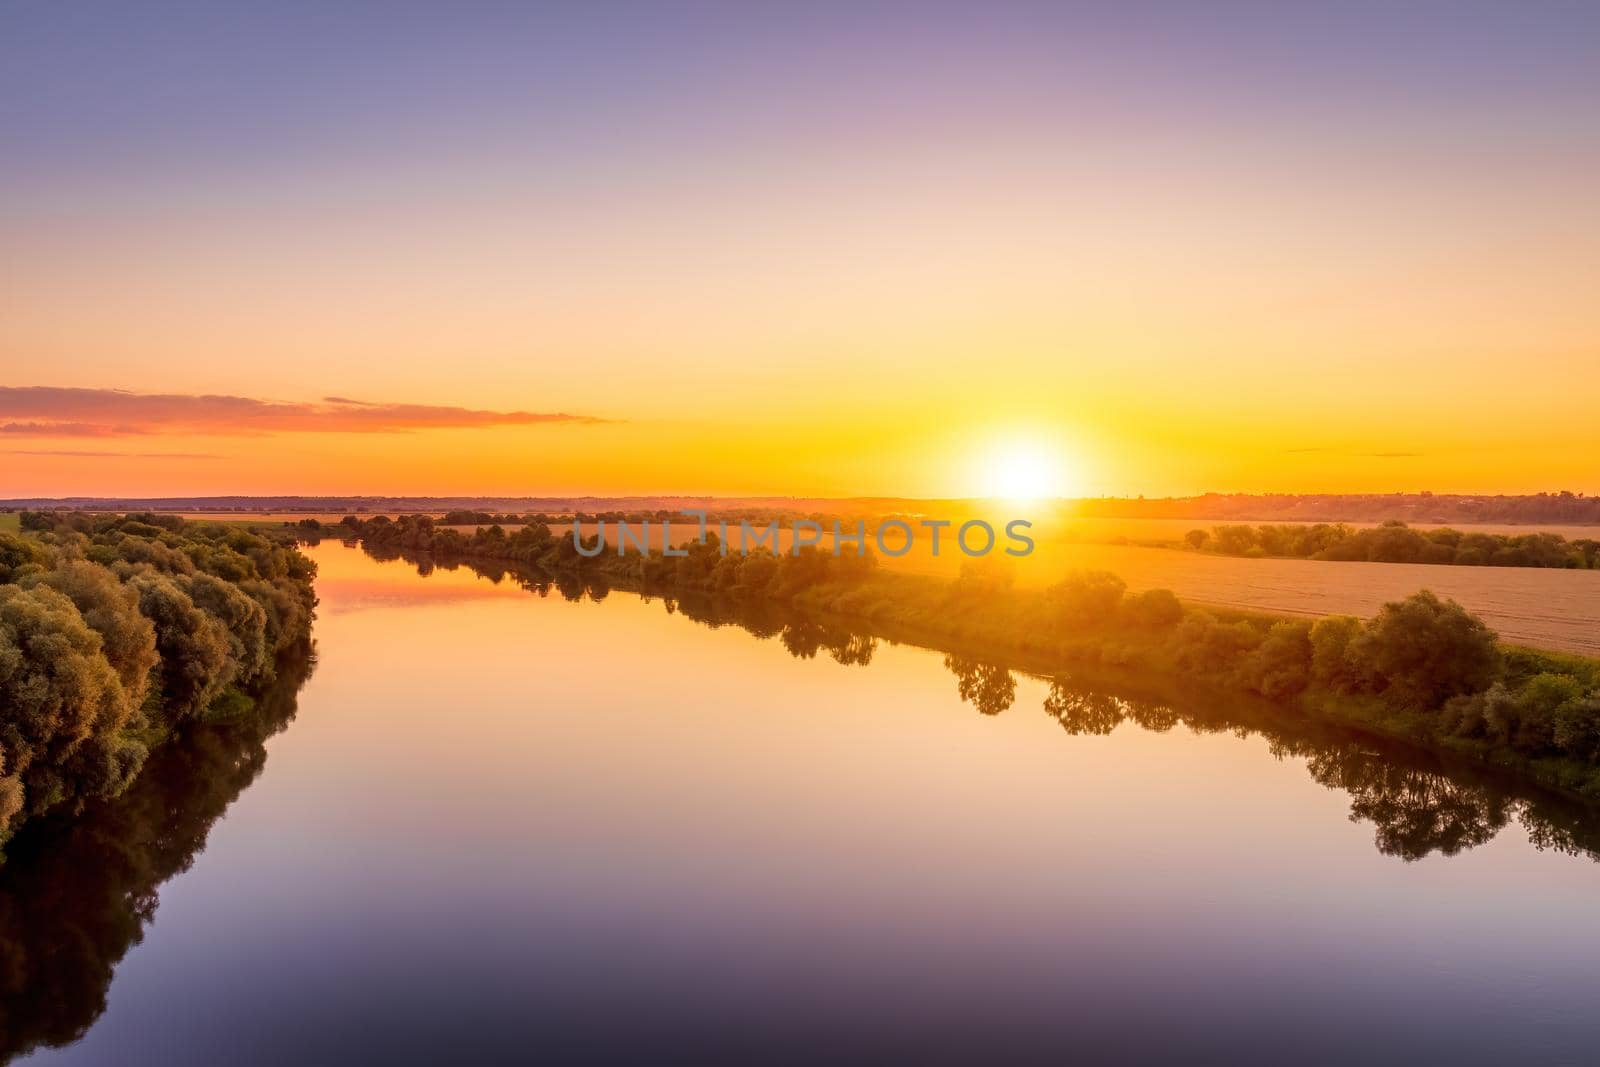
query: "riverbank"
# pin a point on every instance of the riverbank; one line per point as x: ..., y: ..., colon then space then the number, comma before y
x: 118, y: 632
x: 1422, y: 669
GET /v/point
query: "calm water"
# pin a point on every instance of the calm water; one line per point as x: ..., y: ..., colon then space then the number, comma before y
x: 498, y: 827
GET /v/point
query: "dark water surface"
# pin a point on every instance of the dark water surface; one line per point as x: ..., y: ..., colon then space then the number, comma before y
x: 510, y: 828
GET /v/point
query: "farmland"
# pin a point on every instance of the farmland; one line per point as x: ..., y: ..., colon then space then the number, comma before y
x: 1550, y: 609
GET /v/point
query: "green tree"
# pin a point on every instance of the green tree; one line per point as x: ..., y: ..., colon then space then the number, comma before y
x: 1423, y: 650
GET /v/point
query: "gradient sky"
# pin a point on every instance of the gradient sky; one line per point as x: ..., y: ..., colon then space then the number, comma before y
x: 846, y: 249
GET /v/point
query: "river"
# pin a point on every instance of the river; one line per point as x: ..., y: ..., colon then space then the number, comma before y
x: 489, y: 825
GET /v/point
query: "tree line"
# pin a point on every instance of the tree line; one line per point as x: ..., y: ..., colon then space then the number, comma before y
x: 117, y: 632
x: 1528, y: 509
x: 1420, y: 802
x: 1424, y: 668
x: 1395, y: 542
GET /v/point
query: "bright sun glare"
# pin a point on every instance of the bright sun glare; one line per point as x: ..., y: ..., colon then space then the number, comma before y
x: 1022, y: 470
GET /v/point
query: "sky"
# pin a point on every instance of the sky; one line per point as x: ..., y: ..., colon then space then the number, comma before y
x: 815, y: 249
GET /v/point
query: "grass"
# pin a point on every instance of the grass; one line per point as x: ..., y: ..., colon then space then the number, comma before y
x: 10, y: 522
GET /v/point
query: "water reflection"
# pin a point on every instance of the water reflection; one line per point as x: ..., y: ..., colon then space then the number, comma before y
x: 1419, y: 803
x: 986, y: 686
x: 76, y: 895
x: 859, y: 910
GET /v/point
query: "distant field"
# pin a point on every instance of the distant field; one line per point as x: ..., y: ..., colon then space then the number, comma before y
x: 10, y: 523
x: 1554, y: 609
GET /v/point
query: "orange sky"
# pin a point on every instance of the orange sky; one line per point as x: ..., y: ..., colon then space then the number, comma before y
x: 1169, y: 272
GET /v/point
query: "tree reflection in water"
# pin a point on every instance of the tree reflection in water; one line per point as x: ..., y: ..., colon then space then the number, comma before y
x: 76, y: 894
x: 986, y: 686
x: 1419, y: 803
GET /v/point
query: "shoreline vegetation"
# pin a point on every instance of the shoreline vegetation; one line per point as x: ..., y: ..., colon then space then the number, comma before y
x: 119, y: 632
x: 78, y: 892
x: 1395, y: 542
x: 1423, y: 670
x: 1430, y: 509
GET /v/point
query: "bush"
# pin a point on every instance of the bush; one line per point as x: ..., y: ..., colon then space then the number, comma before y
x: 981, y: 579
x: 56, y: 690
x: 111, y: 609
x: 1084, y: 598
x: 244, y: 620
x: 1332, y: 666
x: 1577, y: 728
x: 21, y: 556
x: 1155, y: 608
x: 1281, y: 667
x: 1215, y: 649
x: 194, y: 646
x: 1422, y: 651
x: 1541, y: 702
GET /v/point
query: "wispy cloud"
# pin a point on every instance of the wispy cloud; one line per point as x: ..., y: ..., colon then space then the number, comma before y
x: 68, y: 429
x: 49, y: 411
x: 109, y: 455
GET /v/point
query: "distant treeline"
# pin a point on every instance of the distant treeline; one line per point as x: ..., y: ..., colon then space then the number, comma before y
x: 1546, y: 509
x: 1434, y: 509
x: 116, y: 632
x: 463, y: 517
x: 1423, y: 668
x: 1395, y: 542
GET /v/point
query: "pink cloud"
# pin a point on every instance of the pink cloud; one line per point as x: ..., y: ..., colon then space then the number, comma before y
x: 49, y: 411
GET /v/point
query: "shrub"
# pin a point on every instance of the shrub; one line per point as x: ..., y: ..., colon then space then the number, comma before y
x: 111, y: 609
x: 1215, y: 649
x: 21, y: 556
x: 1422, y: 651
x: 982, y: 579
x: 1085, y: 597
x: 1332, y: 666
x: 244, y: 620
x: 1155, y: 608
x: 1281, y: 667
x: 56, y: 690
x: 1577, y: 728
x: 194, y: 646
x: 1540, y: 703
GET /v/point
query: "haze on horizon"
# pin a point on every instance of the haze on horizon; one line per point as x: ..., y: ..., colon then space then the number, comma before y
x: 709, y: 248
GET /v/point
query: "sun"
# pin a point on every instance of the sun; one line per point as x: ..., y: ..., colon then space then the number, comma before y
x: 1021, y: 470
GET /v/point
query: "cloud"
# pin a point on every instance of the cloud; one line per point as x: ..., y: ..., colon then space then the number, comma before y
x: 49, y: 411
x: 110, y: 455
x: 67, y: 429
